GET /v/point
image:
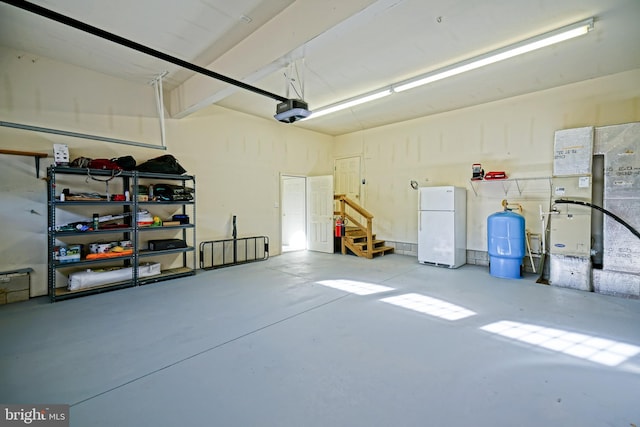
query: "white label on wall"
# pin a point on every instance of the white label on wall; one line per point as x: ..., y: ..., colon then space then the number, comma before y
x: 583, y: 182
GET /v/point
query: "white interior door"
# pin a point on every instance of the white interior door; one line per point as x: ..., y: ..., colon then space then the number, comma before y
x: 347, y: 177
x: 320, y: 213
x: 348, y: 181
x: 294, y: 230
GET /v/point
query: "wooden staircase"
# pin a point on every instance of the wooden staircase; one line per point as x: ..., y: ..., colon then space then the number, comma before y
x: 359, y: 238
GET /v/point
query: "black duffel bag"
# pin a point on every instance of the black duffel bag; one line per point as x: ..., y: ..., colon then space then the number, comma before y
x: 127, y: 163
x: 163, y: 164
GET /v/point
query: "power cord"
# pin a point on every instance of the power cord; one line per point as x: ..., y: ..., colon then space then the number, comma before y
x: 603, y: 210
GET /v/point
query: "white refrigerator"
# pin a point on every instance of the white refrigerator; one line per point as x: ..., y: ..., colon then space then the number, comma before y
x: 442, y: 226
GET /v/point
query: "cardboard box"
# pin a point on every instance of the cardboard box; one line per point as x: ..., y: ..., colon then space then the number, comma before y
x: 14, y: 287
x: 71, y: 253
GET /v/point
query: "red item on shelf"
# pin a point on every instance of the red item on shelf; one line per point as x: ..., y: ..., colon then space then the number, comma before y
x: 495, y: 175
x: 110, y: 254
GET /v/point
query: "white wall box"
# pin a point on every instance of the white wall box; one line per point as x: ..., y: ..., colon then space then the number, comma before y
x: 76, y: 202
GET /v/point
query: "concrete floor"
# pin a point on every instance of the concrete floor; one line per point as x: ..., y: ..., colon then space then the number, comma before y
x: 266, y: 344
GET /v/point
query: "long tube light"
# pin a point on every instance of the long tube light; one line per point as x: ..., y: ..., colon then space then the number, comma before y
x: 520, y: 48
x: 342, y: 105
x: 538, y: 42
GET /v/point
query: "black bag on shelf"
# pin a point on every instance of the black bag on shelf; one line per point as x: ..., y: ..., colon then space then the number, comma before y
x: 127, y: 163
x: 163, y: 164
x: 174, y: 193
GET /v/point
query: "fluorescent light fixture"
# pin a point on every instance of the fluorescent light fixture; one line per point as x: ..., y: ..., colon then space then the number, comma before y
x: 599, y: 350
x: 525, y: 46
x: 342, y: 105
x: 529, y: 45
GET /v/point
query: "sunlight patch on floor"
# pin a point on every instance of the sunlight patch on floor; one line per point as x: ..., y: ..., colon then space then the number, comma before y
x: 430, y: 306
x: 599, y: 350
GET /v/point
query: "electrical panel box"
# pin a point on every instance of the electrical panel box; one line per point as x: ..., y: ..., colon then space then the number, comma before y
x: 61, y: 154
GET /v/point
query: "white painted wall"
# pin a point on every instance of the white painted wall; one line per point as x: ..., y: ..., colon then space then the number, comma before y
x: 515, y: 135
x: 42, y: 92
x: 237, y: 159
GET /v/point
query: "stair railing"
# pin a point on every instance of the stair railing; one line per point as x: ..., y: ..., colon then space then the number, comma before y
x: 345, y: 202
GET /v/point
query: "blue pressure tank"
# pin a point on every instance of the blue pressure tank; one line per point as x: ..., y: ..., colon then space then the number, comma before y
x: 506, y: 236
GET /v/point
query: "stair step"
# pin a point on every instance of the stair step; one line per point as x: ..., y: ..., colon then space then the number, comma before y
x: 383, y: 250
x: 355, y: 236
x: 363, y: 244
x: 379, y: 248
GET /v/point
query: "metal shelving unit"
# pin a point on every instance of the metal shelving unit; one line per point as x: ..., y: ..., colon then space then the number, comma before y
x: 130, y: 230
x: 187, y: 232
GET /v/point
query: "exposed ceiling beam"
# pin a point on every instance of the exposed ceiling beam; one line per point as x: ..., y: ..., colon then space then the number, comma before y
x: 79, y: 25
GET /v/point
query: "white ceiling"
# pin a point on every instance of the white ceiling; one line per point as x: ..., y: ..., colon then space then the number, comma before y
x: 341, y: 49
